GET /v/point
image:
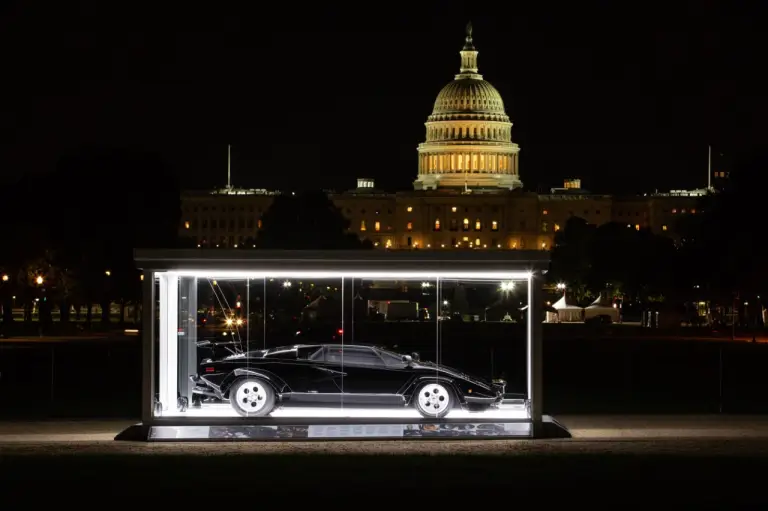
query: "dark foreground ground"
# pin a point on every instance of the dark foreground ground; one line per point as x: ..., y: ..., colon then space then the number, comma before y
x: 693, y: 462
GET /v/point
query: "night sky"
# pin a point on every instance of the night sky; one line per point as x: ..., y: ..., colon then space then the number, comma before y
x: 625, y: 97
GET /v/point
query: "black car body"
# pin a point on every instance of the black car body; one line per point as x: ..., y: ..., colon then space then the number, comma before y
x: 256, y: 382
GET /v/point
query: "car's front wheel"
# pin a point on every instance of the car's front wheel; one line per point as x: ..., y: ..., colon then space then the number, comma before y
x: 252, y: 397
x: 433, y: 400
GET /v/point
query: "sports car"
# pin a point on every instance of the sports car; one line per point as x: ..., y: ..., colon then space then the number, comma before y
x: 257, y: 382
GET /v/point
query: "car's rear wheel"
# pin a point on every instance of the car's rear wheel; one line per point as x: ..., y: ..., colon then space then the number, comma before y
x: 433, y: 400
x: 252, y: 397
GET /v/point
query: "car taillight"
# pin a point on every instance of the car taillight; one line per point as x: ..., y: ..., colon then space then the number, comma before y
x: 340, y: 331
x: 209, y: 369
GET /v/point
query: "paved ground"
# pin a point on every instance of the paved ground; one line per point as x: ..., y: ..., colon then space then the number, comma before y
x: 586, y: 430
x: 709, y: 462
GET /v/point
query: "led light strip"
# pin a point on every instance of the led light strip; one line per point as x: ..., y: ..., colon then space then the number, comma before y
x: 394, y: 275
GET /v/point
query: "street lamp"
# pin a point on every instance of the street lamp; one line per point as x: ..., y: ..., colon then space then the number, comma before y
x: 39, y: 280
x: 107, y: 273
x: 5, y: 278
x: 508, y: 286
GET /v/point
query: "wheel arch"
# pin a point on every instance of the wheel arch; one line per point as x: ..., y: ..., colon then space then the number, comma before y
x: 277, y: 384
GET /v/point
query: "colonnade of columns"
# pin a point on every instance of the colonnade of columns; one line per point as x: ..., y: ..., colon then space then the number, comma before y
x: 474, y: 162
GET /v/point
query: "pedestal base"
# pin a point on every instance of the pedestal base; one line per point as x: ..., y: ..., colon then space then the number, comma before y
x: 352, y: 430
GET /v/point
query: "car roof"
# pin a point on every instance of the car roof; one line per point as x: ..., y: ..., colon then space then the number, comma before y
x: 336, y: 345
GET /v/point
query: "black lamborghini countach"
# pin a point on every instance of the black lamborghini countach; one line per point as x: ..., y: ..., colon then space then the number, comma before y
x: 257, y: 382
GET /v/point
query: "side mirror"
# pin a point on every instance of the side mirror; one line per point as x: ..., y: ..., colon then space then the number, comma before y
x: 407, y: 359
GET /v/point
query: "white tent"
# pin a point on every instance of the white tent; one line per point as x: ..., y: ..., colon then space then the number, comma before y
x: 598, y: 308
x: 566, y: 313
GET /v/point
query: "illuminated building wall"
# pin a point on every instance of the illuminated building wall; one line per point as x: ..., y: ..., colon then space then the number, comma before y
x: 440, y: 220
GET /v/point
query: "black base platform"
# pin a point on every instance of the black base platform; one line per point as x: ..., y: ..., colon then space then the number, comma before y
x: 507, y: 429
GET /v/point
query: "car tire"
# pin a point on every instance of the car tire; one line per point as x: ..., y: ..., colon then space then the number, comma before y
x: 433, y: 399
x: 252, y: 397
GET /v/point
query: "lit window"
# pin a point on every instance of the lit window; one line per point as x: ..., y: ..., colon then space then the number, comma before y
x: 466, y: 224
x: 389, y: 243
x: 477, y: 242
x: 693, y: 211
x: 409, y: 209
x: 258, y: 224
x: 437, y: 225
x: 377, y: 226
x: 557, y: 227
x: 186, y: 224
x: 514, y: 244
x: 674, y: 211
x: 466, y: 238
x: 409, y: 226
x: 545, y: 212
x: 494, y: 225
x: 453, y: 209
x: 637, y: 227
x: 362, y: 225
x: 682, y: 211
x: 544, y: 226
x: 478, y: 225
x: 663, y: 227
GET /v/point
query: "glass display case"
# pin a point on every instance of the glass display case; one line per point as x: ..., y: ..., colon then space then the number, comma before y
x: 266, y: 345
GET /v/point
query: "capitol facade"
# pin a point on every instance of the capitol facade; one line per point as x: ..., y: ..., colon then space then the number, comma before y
x: 467, y: 193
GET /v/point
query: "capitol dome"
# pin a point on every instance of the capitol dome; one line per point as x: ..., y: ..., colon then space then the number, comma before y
x: 469, y: 135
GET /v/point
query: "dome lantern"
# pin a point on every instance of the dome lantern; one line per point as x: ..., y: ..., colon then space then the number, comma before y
x: 468, y: 58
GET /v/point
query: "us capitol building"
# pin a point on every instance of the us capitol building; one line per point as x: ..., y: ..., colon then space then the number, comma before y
x: 468, y: 192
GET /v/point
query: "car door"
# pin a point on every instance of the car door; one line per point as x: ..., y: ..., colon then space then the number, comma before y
x: 367, y: 379
x: 313, y: 379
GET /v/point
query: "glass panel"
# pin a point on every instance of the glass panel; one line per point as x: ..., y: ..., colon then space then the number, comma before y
x: 305, y: 348
x: 482, y: 338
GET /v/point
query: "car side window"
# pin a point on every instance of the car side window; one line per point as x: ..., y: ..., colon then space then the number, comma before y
x: 353, y: 356
x: 391, y: 359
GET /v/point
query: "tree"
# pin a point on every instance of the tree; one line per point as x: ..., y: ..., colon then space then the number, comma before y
x: 104, y: 226
x: 571, y: 260
x: 306, y: 221
x: 639, y: 262
x: 590, y: 259
x: 723, y: 241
